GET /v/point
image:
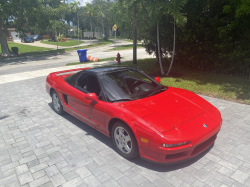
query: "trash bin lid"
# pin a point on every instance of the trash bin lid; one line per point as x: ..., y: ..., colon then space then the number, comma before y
x: 81, y: 50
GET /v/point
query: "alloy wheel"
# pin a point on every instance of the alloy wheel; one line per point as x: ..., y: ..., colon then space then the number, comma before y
x: 56, y: 102
x: 123, y: 140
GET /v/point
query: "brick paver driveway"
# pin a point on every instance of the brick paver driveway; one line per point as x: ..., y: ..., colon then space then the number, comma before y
x: 40, y: 148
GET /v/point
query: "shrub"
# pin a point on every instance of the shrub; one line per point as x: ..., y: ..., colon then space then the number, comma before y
x: 64, y: 39
x: 60, y: 37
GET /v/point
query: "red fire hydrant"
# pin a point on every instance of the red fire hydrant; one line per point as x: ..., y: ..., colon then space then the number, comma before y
x: 118, y: 59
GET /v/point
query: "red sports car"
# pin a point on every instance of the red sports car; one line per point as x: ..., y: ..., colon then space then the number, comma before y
x: 161, y: 124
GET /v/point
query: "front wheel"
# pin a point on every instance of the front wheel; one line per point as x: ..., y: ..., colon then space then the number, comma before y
x: 124, y: 140
x: 57, y: 106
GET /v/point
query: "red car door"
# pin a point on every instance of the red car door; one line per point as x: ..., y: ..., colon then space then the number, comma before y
x: 92, y: 112
x: 97, y: 114
x: 80, y: 105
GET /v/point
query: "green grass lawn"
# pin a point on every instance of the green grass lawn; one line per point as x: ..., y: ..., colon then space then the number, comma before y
x: 124, y: 47
x: 230, y: 88
x: 22, y: 48
x: 101, y: 60
x: 63, y: 44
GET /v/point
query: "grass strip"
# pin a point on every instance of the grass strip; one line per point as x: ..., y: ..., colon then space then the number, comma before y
x: 63, y: 44
x: 124, y: 47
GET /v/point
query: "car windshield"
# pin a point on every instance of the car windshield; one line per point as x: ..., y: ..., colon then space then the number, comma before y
x: 128, y: 85
x: 35, y: 35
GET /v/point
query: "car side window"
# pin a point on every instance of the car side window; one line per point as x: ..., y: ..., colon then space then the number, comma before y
x: 89, y: 84
x: 72, y: 79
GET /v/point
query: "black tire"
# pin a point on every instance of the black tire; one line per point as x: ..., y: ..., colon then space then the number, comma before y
x: 57, y: 106
x: 129, y: 149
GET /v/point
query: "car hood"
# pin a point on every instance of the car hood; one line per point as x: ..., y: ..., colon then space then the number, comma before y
x: 174, y: 105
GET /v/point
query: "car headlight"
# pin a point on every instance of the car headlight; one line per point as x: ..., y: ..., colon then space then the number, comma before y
x: 174, y: 145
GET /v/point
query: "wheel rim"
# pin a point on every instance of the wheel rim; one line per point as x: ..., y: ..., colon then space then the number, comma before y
x: 56, y: 102
x: 123, y: 140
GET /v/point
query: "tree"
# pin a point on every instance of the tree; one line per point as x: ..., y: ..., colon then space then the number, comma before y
x: 154, y: 10
x: 90, y: 13
x: 83, y: 20
x: 100, y: 13
x: 174, y: 8
x: 216, y: 37
x: 102, y: 16
x: 132, y: 4
x: 24, y: 14
x: 74, y: 9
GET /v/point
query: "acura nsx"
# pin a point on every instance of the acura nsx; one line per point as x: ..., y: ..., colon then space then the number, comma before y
x: 143, y: 117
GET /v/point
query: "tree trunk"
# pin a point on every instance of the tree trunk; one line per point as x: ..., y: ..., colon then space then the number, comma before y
x: 82, y: 33
x: 3, y: 40
x: 102, y: 31
x: 69, y: 27
x: 90, y: 24
x: 135, y: 38
x: 159, y: 50
x: 106, y: 31
x: 157, y: 56
x: 172, y: 60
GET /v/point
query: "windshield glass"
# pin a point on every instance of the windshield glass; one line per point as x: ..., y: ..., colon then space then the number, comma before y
x: 126, y: 85
x: 35, y: 35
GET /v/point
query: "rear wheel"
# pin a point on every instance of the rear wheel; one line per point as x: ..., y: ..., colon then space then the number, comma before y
x: 124, y: 140
x: 57, y: 106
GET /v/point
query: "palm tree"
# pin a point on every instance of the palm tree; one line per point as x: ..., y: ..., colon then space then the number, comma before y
x: 159, y: 7
x: 155, y: 11
x: 90, y: 12
x: 100, y: 13
x: 74, y: 8
x: 174, y: 8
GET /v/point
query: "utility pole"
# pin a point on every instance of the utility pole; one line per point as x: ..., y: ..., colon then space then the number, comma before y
x: 56, y: 36
x: 78, y: 28
x: 135, y: 37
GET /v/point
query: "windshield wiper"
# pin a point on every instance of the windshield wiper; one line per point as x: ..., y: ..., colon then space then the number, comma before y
x: 122, y: 100
x: 157, y: 91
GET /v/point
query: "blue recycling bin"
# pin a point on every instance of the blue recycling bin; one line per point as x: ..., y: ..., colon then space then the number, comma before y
x: 82, y: 53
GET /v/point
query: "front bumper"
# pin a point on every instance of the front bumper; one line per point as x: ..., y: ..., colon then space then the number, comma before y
x: 179, y: 154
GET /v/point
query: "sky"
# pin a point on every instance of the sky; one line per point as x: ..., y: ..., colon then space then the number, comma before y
x: 82, y: 2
